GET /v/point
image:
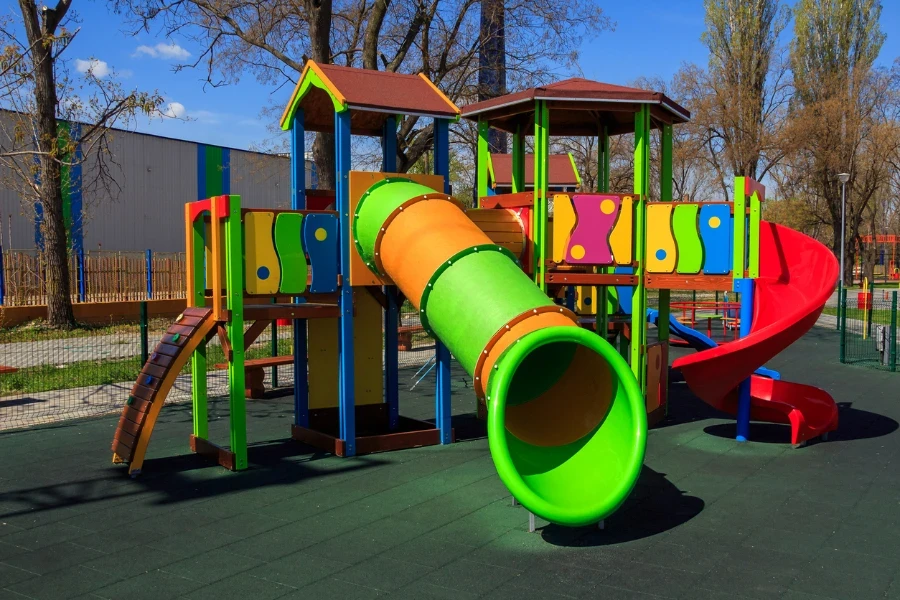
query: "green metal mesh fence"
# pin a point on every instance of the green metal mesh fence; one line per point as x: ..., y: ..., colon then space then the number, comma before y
x: 868, y: 324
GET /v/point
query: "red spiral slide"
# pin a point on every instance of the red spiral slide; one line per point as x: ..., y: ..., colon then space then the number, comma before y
x: 796, y: 278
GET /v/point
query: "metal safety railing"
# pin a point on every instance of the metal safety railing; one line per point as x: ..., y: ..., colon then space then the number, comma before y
x: 868, y: 329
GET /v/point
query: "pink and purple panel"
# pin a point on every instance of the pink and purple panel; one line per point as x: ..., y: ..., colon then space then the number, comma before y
x: 589, y: 243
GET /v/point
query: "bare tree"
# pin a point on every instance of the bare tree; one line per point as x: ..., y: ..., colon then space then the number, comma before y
x: 55, y: 123
x: 844, y: 115
x: 271, y: 41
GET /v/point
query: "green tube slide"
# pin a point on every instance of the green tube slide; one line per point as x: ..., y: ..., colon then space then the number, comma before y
x: 567, y: 424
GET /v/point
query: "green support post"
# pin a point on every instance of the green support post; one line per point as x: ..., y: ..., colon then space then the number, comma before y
x: 518, y: 160
x: 639, y: 295
x: 603, y: 186
x: 665, y: 194
x: 665, y: 174
x: 541, y: 187
x: 753, y: 238
x: 274, y: 352
x: 740, y: 208
x: 484, y: 152
x: 234, y: 281
x: 843, y: 302
x: 198, y: 358
x: 603, y: 175
x: 893, y: 332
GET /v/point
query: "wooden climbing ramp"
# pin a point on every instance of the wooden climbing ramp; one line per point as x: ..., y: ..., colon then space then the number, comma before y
x: 157, y: 377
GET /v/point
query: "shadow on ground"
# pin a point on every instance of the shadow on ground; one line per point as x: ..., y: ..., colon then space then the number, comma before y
x: 854, y: 423
x: 655, y: 506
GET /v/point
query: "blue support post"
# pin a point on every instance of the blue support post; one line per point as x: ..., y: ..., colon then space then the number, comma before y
x: 298, y: 202
x: 442, y: 354
x: 745, y: 288
x: 82, y: 276
x: 149, y: 259
x: 346, y: 351
x: 392, y: 314
x: 570, y: 297
x: 2, y: 278
x: 389, y: 145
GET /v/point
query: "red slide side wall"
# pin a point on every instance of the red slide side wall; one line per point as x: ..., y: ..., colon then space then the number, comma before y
x: 797, y: 276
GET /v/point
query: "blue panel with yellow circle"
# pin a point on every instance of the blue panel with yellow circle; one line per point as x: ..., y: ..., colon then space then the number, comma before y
x: 320, y: 239
x: 715, y: 231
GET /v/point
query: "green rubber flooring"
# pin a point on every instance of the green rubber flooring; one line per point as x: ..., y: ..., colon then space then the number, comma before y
x: 710, y: 518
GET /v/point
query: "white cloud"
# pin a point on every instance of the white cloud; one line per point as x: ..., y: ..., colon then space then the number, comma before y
x: 164, y: 51
x: 174, y: 110
x: 97, y: 68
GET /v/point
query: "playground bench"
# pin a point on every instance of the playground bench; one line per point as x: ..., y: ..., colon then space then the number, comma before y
x: 404, y: 336
x: 7, y: 370
x: 253, y: 373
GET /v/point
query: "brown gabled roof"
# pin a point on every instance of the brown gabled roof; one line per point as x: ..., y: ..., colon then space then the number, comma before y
x: 371, y: 96
x: 577, y: 107
x: 560, y: 174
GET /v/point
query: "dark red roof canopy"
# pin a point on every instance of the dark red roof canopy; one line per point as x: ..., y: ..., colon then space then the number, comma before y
x: 371, y: 96
x: 577, y: 107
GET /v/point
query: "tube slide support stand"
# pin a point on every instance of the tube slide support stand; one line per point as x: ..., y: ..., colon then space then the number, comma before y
x: 531, y: 527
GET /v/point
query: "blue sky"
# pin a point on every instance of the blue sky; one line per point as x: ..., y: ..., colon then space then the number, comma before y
x: 652, y: 38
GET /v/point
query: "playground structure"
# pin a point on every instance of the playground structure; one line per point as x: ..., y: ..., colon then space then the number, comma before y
x: 891, y: 270
x: 567, y: 413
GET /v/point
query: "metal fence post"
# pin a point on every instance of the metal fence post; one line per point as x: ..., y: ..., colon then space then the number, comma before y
x: 840, y: 307
x: 842, y: 302
x: 149, y: 255
x: 892, y: 334
x: 145, y: 351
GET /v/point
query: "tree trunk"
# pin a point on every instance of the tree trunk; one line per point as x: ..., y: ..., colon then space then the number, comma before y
x: 59, y: 300
x: 492, y: 63
x: 320, y: 13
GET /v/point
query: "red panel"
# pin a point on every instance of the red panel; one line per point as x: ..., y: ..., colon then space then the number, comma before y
x: 201, y: 206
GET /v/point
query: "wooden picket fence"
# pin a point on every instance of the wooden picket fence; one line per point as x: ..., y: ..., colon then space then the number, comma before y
x: 102, y: 276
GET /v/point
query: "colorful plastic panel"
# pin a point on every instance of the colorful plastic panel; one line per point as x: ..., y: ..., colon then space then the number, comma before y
x: 563, y: 224
x: 289, y: 245
x: 690, y: 249
x: 262, y: 271
x: 661, y: 254
x: 589, y: 242
x: 715, y: 231
x: 621, y: 240
x: 320, y: 239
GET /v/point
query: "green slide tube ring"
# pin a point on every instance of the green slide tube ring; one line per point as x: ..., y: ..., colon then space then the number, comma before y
x: 583, y: 481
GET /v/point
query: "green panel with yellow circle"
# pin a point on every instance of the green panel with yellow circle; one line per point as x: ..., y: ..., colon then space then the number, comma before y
x: 687, y: 237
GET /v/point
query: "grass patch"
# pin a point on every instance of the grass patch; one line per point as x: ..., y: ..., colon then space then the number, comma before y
x: 38, y: 330
x: 45, y: 378
x: 878, y: 316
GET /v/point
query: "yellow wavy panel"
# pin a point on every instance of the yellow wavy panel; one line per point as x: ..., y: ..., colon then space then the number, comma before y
x: 661, y: 254
x: 262, y: 271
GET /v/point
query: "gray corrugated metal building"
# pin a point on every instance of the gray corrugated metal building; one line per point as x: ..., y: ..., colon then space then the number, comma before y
x: 155, y: 177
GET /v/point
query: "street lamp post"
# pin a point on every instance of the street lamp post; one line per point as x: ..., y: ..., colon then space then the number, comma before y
x: 843, y: 178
